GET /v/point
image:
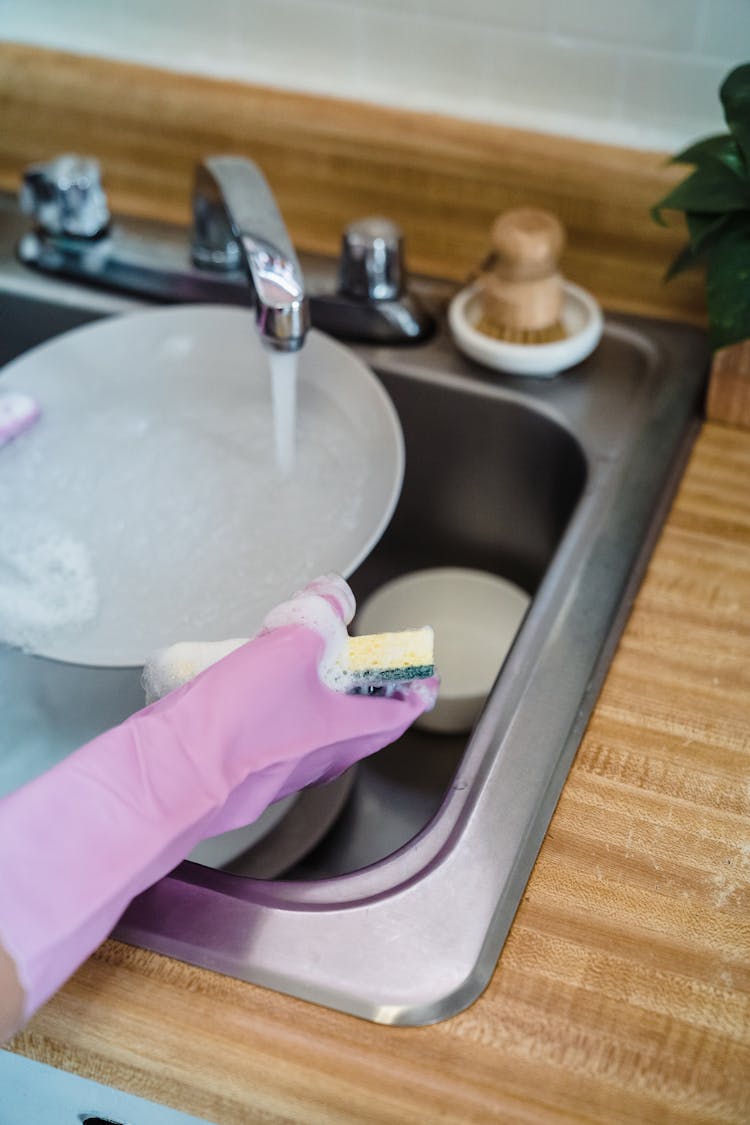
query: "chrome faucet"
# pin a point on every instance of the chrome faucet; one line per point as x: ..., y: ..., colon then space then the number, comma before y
x: 240, y: 254
x: 237, y: 222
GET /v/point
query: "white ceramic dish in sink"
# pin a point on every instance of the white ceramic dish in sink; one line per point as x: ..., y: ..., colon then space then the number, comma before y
x: 151, y: 475
x: 475, y: 616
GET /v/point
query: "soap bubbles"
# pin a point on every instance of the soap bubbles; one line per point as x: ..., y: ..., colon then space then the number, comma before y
x: 46, y: 583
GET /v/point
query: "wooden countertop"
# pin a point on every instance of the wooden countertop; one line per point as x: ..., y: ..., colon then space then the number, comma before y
x: 623, y: 991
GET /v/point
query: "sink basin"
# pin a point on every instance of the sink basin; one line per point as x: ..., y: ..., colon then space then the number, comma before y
x: 399, y: 913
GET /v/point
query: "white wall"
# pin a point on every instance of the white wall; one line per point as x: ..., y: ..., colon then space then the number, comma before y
x: 643, y: 73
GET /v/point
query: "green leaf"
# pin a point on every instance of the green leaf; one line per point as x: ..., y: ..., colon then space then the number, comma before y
x: 735, y: 98
x: 728, y: 283
x: 687, y: 259
x: 704, y: 230
x: 712, y: 187
x: 722, y: 147
x: 703, y: 227
x: 715, y: 198
x: 656, y: 215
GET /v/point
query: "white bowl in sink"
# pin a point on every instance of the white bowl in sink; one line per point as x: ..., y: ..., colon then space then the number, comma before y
x: 475, y: 616
x: 215, y: 851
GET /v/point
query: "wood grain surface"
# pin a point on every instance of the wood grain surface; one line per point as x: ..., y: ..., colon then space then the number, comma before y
x: 623, y: 992
x: 331, y: 161
x: 729, y: 386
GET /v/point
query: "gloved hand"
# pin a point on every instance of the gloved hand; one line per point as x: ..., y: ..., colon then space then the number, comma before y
x: 78, y: 843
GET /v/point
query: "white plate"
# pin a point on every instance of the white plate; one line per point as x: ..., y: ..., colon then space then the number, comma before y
x: 145, y: 507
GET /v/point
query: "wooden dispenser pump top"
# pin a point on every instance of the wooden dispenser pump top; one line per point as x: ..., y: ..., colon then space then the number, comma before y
x: 523, y: 291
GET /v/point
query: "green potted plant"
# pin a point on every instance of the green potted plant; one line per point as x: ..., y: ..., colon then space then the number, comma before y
x: 715, y: 199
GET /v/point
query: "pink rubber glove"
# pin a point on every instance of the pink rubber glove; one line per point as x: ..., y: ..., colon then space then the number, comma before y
x: 78, y: 843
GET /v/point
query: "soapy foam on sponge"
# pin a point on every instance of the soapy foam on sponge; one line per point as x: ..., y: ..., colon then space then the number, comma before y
x: 325, y: 605
x: 171, y: 667
x: 384, y: 663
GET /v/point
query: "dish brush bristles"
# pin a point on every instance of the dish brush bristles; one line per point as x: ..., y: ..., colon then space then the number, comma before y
x: 547, y: 335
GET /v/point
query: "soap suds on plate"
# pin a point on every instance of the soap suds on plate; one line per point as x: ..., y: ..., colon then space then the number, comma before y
x: 160, y: 463
x: 46, y: 583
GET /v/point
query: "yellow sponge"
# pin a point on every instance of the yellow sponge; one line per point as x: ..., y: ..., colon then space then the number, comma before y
x: 384, y: 659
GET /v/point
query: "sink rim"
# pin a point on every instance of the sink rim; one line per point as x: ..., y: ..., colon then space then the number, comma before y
x: 379, y: 942
x: 437, y: 964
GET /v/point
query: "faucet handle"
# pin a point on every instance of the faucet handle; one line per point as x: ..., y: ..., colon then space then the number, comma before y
x: 65, y: 195
x: 371, y: 267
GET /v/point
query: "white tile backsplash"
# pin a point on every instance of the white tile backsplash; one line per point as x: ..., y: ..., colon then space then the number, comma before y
x: 669, y: 26
x: 530, y: 15
x: 409, y: 61
x: 726, y: 28
x: 526, y: 70
x: 635, y: 72
x: 298, y: 44
x: 678, y: 96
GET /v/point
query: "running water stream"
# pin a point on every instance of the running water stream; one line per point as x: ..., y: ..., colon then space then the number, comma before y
x: 283, y: 370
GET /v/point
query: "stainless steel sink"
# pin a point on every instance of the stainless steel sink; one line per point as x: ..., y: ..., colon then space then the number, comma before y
x: 400, y: 911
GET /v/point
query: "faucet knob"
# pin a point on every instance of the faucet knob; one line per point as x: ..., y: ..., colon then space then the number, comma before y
x: 371, y: 267
x: 65, y: 196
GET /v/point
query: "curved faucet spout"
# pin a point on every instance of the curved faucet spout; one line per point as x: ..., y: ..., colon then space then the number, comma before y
x: 237, y: 222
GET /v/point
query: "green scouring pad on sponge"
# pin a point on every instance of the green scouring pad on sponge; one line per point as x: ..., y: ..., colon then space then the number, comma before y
x: 384, y: 660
